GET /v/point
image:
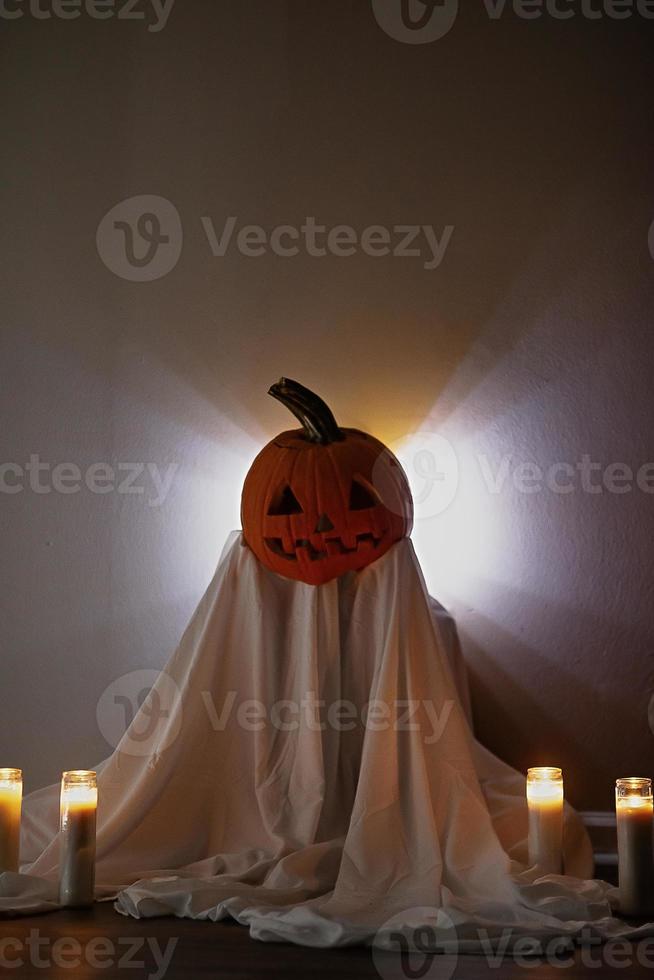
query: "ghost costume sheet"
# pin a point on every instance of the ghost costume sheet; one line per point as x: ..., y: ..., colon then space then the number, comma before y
x: 305, y: 764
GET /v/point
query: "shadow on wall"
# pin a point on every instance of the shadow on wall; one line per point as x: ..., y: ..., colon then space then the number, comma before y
x: 536, y: 706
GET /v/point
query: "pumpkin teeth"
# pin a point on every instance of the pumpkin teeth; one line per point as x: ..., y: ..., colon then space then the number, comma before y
x: 333, y: 547
x: 366, y: 542
x: 276, y: 546
x: 313, y: 553
x: 349, y: 541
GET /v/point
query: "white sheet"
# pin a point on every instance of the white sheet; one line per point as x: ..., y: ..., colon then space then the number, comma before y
x: 317, y: 836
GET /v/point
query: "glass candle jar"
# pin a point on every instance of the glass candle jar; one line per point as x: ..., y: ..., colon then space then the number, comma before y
x: 634, y: 813
x: 79, y: 801
x: 11, y: 798
x: 545, y: 803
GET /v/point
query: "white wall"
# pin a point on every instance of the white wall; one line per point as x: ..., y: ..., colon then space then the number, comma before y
x: 532, y: 338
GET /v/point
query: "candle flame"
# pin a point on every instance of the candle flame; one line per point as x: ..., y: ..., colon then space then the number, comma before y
x: 633, y: 802
x: 545, y: 785
x: 633, y: 793
x: 10, y: 778
x: 80, y: 796
x: 545, y: 793
x: 79, y: 788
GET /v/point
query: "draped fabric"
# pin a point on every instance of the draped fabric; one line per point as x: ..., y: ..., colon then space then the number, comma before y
x: 305, y: 764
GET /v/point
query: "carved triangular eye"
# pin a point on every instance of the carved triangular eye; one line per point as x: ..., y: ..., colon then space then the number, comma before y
x: 362, y: 495
x: 284, y: 502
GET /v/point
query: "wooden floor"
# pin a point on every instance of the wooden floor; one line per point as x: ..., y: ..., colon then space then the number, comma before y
x: 131, y: 948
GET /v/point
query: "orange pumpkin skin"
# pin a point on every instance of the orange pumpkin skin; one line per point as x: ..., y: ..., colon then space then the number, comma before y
x: 313, y: 511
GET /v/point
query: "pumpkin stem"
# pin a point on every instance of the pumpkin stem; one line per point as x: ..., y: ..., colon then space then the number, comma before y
x: 316, y: 417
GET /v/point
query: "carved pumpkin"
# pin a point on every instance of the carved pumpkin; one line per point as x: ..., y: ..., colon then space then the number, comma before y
x: 321, y: 501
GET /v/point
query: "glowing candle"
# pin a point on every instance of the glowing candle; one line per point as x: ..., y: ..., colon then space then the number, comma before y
x: 633, y: 805
x: 79, y: 801
x: 11, y: 796
x: 545, y: 802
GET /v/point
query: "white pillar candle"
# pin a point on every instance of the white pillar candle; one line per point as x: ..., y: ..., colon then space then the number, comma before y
x: 634, y: 813
x: 79, y: 800
x: 545, y: 803
x: 11, y: 796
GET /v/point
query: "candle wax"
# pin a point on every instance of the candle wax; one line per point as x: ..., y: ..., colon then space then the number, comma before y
x: 78, y: 830
x: 635, y: 856
x: 546, y: 834
x: 10, y: 806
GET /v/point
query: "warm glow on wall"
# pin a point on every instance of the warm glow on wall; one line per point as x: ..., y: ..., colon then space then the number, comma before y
x: 455, y: 534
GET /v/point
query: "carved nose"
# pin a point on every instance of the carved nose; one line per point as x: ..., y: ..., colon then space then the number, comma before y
x: 324, y: 524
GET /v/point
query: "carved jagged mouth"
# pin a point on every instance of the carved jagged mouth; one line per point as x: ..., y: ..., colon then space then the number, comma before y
x: 334, y: 547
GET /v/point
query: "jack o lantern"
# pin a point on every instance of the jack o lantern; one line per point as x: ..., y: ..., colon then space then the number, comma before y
x: 321, y: 501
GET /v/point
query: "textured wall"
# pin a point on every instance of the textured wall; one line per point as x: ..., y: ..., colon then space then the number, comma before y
x: 530, y: 341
